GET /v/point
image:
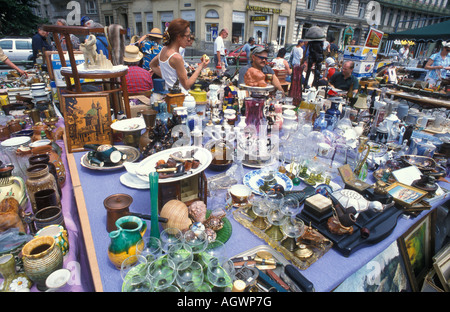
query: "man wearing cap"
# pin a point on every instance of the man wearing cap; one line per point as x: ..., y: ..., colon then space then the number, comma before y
x: 150, y: 46
x: 259, y: 61
x: 138, y: 79
x: 219, y: 48
x: 247, y: 49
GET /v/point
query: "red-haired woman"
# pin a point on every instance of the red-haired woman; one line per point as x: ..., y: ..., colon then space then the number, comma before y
x: 169, y: 64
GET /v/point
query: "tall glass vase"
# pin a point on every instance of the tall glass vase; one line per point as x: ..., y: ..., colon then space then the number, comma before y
x: 154, y: 187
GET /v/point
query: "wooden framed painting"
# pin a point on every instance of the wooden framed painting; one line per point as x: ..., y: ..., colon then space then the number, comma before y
x: 417, y: 249
x: 87, y: 118
x: 405, y: 195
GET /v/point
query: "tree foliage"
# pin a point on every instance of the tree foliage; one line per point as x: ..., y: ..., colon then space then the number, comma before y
x: 17, y: 18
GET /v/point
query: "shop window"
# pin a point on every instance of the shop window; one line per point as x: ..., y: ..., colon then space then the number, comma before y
x: 281, y: 34
x: 238, y: 33
x: 138, y: 23
x: 109, y: 20
x: 91, y: 7
x: 209, y: 32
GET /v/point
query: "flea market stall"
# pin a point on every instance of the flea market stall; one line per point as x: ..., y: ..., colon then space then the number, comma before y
x: 229, y: 187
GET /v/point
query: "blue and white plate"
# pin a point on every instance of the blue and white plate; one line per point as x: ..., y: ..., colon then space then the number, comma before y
x: 254, y: 180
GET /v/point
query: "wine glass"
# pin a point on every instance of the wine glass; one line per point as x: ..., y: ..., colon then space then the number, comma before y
x: 138, y: 283
x: 290, y: 206
x: 149, y: 247
x: 260, y: 208
x: 220, y: 276
x: 181, y: 255
x: 214, y: 250
x: 169, y: 237
x: 275, y: 215
x: 133, y: 265
x: 171, y: 288
x: 162, y: 272
x: 190, y: 276
x: 204, y: 287
x: 292, y: 228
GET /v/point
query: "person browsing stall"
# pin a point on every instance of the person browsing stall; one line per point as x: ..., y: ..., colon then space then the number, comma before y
x: 150, y: 45
x: 259, y: 62
x: 169, y: 64
x: 438, y: 65
x: 7, y: 61
x: 138, y: 79
x: 219, y: 49
x: 344, y: 79
x: 39, y: 43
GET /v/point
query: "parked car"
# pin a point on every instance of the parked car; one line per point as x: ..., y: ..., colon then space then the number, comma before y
x: 233, y: 56
x: 17, y: 49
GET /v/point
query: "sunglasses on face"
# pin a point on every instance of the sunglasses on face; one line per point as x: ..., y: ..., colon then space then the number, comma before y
x: 264, y: 58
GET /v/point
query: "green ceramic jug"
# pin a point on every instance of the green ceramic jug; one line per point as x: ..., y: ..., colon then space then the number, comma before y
x: 130, y: 230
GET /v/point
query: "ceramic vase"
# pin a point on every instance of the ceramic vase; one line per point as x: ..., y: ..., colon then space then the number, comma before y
x: 41, y: 257
x: 45, y: 159
x: 59, y: 234
x: 130, y: 230
x: 12, y: 280
x: 39, y: 178
x: 55, y: 159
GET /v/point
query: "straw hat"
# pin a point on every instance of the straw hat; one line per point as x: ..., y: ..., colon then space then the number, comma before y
x: 155, y: 32
x: 132, y: 54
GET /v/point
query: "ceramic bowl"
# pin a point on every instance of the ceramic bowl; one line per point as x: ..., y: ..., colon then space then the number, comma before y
x: 58, y: 279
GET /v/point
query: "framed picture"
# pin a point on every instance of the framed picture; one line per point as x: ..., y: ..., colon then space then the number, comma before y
x: 417, y: 249
x: 441, y: 264
x: 384, y: 273
x: 87, y: 119
x: 405, y: 195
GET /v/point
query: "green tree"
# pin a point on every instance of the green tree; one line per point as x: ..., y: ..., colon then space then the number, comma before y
x: 17, y: 18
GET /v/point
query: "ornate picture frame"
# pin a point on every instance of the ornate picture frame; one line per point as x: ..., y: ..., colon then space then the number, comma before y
x: 405, y: 195
x: 87, y: 118
x: 417, y: 249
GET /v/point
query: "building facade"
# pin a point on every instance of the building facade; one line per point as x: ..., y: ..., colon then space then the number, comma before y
x: 72, y: 11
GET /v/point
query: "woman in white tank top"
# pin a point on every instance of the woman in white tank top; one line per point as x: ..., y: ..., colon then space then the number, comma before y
x: 169, y: 64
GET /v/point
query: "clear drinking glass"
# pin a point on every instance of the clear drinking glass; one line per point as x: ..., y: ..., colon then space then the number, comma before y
x: 149, y: 247
x: 214, y: 250
x: 138, y: 283
x: 220, y: 276
x: 190, y: 276
x: 292, y: 228
x: 197, y: 241
x: 162, y: 273
x: 169, y: 237
x: 133, y: 265
x: 181, y: 255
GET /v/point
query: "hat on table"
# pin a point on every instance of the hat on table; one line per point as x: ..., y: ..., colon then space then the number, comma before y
x: 155, y: 32
x: 132, y: 54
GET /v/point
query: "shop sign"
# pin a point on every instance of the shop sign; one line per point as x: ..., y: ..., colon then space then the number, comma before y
x: 262, y: 9
x: 260, y: 18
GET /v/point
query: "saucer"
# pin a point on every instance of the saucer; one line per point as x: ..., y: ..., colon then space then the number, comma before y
x: 133, y: 181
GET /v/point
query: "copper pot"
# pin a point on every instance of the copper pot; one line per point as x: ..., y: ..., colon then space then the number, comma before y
x: 117, y: 206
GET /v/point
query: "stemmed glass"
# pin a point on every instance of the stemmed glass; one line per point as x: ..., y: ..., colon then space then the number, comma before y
x: 197, y: 241
x: 190, y: 276
x: 275, y: 215
x: 162, y: 273
x: 290, y: 206
x: 181, y: 255
x: 260, y: 209
x: 136, y: 264
x: 292, y: 228
x: 220, y: 276
x: 214, y: 250
x: 138, y: 283
x: 170, y: 236
x: 149, y: 247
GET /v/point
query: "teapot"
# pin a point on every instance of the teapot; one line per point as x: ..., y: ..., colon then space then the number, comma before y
x: 12, y: 186
x: 124, y: 240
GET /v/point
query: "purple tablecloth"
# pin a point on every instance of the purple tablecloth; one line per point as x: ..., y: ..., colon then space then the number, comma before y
x: 326, y: 273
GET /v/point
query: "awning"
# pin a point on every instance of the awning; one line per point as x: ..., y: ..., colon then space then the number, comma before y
x: 439, y: 31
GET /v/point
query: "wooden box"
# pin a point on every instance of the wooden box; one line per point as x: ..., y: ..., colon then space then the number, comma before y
x: 186, y: 190
x: 177, y: 99
x: 350, y: 180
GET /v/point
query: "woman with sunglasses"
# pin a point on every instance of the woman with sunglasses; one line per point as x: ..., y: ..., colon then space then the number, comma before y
x: 438, y: 65
x: 169, y: 64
